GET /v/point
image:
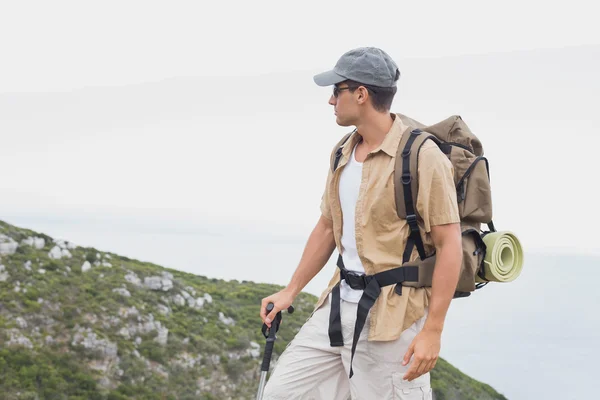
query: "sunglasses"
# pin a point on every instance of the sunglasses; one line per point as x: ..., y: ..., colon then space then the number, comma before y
x: 337, y: 90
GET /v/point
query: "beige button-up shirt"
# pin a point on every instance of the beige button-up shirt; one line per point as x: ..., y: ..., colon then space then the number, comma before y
x: 380, y: 234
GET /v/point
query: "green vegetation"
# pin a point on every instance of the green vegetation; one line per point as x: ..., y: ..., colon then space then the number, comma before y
x: 124, y: 329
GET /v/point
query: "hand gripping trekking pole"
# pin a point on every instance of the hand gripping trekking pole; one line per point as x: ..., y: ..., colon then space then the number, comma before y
x: 269, y: 333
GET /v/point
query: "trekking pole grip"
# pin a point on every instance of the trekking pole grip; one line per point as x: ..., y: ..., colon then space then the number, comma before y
x: 270, y: 341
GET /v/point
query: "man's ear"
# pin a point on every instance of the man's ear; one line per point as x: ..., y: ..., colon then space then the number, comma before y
x: 363, y: 95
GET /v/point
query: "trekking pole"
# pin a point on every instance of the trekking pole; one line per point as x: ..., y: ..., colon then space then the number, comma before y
x: 269, y: 333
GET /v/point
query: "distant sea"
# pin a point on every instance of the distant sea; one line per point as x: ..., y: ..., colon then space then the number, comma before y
x: 535, y: 338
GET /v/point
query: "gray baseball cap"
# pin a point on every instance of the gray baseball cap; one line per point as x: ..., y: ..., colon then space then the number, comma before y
x: 366, y: 65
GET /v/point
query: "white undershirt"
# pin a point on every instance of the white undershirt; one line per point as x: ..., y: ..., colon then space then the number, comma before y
x: 349, y: 187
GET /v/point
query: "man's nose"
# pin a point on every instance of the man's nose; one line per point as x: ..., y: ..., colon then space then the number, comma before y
x: 332, y: 100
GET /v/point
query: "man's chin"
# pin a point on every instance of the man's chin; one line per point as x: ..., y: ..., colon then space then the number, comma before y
x: 341, y: 122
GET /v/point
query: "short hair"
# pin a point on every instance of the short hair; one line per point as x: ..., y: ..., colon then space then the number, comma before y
x: 381, y: 97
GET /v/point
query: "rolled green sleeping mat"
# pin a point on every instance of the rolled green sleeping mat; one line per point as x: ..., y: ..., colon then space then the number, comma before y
x: 504, y: 257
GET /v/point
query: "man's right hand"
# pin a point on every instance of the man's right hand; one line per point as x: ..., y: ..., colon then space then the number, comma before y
x: 281, y: 301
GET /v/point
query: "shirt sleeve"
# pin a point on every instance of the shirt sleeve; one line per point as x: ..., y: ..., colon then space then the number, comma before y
x: 436, y: 199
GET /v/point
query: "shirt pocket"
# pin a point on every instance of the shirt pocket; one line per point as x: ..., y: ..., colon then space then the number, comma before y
x: 417, y: 389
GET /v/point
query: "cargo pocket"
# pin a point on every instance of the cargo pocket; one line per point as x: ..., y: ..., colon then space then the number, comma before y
x: 417, y: 389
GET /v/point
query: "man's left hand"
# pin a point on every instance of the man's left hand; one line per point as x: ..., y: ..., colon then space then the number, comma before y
x: 425, y: 348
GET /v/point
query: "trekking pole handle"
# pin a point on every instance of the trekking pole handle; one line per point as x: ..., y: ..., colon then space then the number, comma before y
x: 270, y: 341
x: 271, y: 335
x: 270, y: 307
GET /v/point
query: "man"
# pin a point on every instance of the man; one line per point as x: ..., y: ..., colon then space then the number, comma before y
x: 365, y: 339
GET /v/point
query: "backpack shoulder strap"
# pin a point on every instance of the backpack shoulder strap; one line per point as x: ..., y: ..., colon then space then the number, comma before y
x: 336, y: 154
x: 406, y: 185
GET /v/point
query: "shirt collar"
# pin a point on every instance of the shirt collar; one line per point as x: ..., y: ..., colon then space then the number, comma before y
x: 389, y: 145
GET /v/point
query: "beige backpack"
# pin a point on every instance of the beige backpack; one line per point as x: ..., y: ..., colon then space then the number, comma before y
x: 473, y: 191
x: 471, y: 177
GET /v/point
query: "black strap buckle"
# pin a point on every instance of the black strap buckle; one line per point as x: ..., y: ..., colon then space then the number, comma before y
x: 406, y: 178
x: 355, y: 280
x: 412, y: 222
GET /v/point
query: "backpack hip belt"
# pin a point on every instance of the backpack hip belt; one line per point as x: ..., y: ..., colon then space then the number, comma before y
x: 371, y: 286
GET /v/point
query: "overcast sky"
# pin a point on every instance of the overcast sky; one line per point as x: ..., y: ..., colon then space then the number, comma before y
x: 196, y: 113
x: 68, y: 44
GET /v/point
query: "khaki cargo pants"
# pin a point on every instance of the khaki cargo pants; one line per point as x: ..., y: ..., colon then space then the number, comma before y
x: 310, y: 369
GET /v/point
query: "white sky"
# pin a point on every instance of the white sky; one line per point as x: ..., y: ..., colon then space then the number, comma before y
x: 66, y: 44
x: 189, y: 109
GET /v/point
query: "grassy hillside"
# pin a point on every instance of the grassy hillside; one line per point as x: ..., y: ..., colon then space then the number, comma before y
x: 78, y: 323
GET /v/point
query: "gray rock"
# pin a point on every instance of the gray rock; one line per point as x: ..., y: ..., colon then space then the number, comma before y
x: 124, y: 332
x: 167, y: 284
x: 39, y: 243
x: 17, y: 339
x: 164, y: 310
x: 3, y: 273
x: 153, y: 282
x: 132, y: 278
x: 7, y: 245
x: 91, y: 341
x: 191, y: 290
x: 64, y: 245
x: 86, y: 266
x: 200, y: 302
x: 158, y: 283
x: 21, y: 323
x: 178, y: 300
x: 187, y: 360
x: 55, y: 253
x: 226, y: 320
x: 254, y: 351
x: 128, y: 312
x: 163, y: 334
x: 122, y: 292
x: 36, y: 242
